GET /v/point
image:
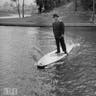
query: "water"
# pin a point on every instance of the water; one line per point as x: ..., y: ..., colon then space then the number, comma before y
x: 21, y: 47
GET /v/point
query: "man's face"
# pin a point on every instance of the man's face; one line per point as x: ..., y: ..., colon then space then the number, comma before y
x: 55, y: 19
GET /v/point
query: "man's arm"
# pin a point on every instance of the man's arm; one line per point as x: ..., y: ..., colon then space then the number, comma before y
x: 53, y: 29
x: 62, y: 28
x: 53, y: 26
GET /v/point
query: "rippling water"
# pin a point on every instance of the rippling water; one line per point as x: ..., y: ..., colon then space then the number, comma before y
x: 21, y: 47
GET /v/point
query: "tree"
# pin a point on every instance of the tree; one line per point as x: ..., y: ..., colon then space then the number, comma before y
x: 75, y: 5
x: 18, y: 7
x: 23, y: 9
x: 40, y: 4
x: 93, y: 13
x: 49, y: 4
x: 89, y: 5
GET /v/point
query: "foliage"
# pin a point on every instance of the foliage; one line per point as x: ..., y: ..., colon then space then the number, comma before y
x: 18, y: 7
x: 46, y: 5
x: 87, y: 4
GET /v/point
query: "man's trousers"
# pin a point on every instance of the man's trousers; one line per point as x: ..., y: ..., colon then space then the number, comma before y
x: 60, y: 41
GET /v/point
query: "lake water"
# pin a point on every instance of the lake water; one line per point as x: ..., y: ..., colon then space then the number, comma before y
x: 21, y: 47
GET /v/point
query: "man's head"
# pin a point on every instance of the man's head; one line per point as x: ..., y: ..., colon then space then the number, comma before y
x: 55, y: 17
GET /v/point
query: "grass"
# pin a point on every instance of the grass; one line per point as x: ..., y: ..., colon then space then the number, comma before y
x: 66, y: 12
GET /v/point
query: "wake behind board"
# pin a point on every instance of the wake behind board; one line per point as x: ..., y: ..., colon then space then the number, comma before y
x: 51, y: 58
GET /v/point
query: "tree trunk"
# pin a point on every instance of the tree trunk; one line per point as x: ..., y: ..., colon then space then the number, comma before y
x: 18, y: 8
x: 93, y: 13
x: 23, y: 9
x: 75, y: 5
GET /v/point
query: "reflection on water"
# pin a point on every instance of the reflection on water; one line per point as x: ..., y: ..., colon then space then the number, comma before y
x: 21, y: 47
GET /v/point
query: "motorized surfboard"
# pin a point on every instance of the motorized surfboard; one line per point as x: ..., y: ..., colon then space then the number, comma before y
x: 52, y: 57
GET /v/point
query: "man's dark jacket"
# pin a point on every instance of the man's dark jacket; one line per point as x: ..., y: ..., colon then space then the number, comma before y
x: 58, y: 29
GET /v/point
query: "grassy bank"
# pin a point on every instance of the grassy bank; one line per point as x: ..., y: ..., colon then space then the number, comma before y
x: 66, y: 12
x: 5, y: 13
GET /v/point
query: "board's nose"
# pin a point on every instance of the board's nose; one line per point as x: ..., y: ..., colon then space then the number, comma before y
x: 40, y: 67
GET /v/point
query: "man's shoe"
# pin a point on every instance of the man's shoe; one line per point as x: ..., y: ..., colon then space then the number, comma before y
x: 57, y: 52
x: 66, y: 53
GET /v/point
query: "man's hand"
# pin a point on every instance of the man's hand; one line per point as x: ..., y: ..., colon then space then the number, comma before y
x: 62, y: 36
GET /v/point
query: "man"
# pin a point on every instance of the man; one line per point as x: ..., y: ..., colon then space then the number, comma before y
x: 58, y: 30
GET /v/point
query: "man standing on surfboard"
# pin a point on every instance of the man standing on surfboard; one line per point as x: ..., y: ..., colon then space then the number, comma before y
x: 58, y: 30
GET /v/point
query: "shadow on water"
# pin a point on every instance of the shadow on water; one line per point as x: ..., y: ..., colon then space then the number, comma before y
x: 73, y: 76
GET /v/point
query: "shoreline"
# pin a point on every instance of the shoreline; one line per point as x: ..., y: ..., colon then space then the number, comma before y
x: 30, y: 24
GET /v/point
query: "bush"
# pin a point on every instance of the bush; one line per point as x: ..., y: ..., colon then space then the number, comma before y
x: 87, y: 4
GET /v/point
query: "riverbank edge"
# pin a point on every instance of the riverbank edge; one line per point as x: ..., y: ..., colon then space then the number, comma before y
x: 45, y: 20
x: 36, y: 25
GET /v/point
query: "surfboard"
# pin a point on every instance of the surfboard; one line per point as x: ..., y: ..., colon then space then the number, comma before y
x: 52, y: 57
